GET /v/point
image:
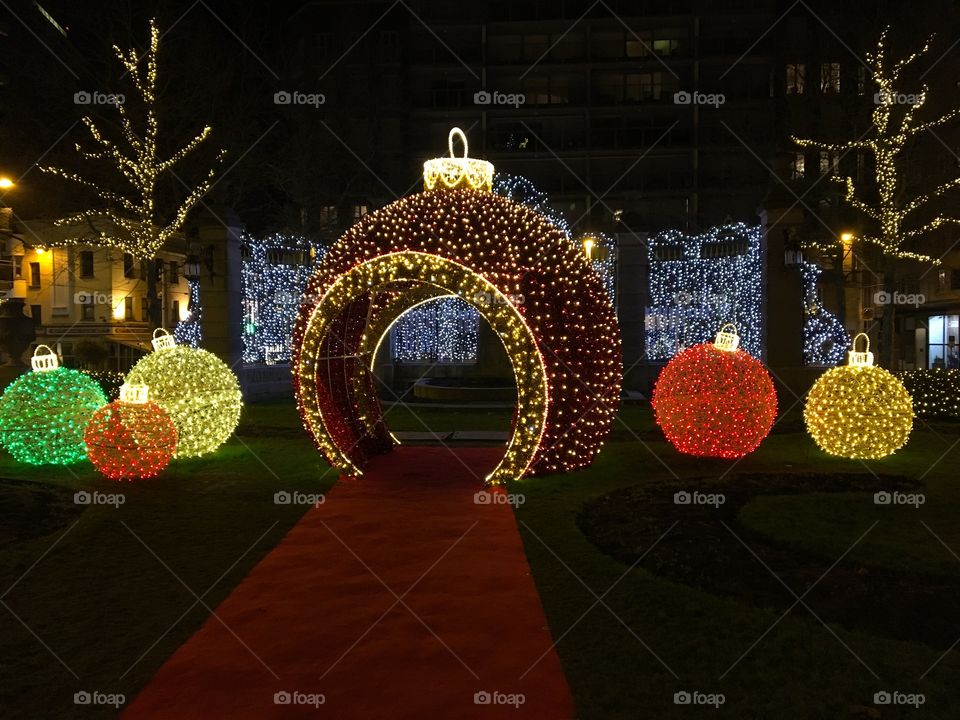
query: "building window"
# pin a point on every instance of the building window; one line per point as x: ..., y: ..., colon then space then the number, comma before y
x: 797, y: 168
x: 942, y: 348
x: 128, y: 308
x: 144, y: 310
x: 829, y: 162
x: 665, y: 47
x: 861, y: 80
x: 86, y: 263
x: 359, y: 211
x: 829, y: 77
x: 17, y: 266
x: 796, y: 78
x: 35, y: 274
x: 174, y: 272
x: 36, y: 314
x: 175, y: 312
x: 87, y: 309
x: 129, y: 269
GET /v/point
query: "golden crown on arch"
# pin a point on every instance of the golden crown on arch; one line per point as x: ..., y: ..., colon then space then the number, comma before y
x: 453, y: 172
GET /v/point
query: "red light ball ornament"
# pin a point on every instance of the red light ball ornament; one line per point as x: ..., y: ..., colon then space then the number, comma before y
x: 715, y: 400
x: 131, y: 438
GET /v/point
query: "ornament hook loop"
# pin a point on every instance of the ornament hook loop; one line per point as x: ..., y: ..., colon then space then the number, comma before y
x: 164, y: 341
x: 860, y: 359
x: 728, y: 341
x: 44, y: 362
x: 454, y: 132
x: 134, y: 394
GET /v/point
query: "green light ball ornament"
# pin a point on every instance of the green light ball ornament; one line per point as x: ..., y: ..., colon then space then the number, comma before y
x: 43, y: 413
x: 196, y: 388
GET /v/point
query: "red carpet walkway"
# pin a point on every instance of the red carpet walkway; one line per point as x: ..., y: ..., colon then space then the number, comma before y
x: 314, y: 611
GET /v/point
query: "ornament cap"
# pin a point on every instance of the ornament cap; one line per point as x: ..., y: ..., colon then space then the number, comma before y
x: 165, y: 341
x: 860, y: 359
x: 454, y: 172
x: 44, y: 362
x: 727, y: 341
x: 134, y: 393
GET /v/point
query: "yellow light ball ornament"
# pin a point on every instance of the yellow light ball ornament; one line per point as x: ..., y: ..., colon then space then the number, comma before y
x: 196, y: 388
x: 859, y: 410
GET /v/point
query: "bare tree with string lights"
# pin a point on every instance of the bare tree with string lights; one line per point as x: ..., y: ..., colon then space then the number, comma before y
x: 895, y: 215
x: 128, y: 217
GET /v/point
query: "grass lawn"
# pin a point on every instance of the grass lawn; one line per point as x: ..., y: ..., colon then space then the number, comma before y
x: 112, y: 592
x: 798, y: 668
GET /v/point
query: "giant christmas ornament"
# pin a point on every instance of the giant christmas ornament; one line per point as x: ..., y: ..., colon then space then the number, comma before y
x: 535, y: 289
x: 44, y: 412
x: 714, y: 399
x: 859, y: 410
x: 196, y: 389
x: 131, y: 437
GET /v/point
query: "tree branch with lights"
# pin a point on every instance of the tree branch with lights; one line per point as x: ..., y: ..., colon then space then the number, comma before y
x: 129, y: 219
x: 892, y: 131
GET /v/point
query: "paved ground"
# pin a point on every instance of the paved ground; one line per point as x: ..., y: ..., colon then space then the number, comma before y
x: 398, y: 597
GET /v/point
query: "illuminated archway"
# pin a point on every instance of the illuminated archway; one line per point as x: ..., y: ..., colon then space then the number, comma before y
x: 532, y: 285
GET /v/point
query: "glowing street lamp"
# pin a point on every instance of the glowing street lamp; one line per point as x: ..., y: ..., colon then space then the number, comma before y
x: 6, y: 183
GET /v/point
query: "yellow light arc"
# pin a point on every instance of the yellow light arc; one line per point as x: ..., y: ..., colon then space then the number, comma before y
x: 449, y: 277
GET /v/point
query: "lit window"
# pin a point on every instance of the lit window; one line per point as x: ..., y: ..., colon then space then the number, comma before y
x: 797, y: 168
x: 796, y: 78
x: 665, y: 47
x: 830, y: 77
x: 942, y: 333
x: 829, y: 162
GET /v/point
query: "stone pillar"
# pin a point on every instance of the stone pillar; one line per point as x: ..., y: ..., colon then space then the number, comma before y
x: 221, y: 291
x: 783, y: 293
x: 632, y: 299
